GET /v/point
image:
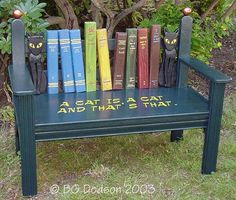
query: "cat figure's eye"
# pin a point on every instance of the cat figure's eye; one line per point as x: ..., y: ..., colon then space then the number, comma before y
x: 167, y: 41
x: 39, y: 45
x: 31, y: 45
x: 173, y: 41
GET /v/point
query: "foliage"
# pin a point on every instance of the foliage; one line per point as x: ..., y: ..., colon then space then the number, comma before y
x: 32, y: 17
x: 202, y: 5
x: 205, y: 33
x: 6, y: 114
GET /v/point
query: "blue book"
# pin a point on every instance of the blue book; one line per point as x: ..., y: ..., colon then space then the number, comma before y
x: 52, y: 61
x: 66, y: 61
x: 77, y: 60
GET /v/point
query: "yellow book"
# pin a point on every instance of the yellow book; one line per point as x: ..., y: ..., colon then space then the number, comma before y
x: 103, y: 60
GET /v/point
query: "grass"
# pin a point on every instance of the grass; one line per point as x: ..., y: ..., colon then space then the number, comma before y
x: 143, y: 163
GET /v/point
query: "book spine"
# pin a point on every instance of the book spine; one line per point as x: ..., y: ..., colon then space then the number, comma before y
x: 77, y: 60
x: 119, y: 61
x: 143, y: 65
x: 155, y: 41
x: 52, y: 61
x: 130, y: 74
x: 103, y: 60
x: 90, y: 56
x: 66, y: 61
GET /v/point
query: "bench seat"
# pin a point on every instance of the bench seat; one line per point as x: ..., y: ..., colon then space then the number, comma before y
x: 78, y: 115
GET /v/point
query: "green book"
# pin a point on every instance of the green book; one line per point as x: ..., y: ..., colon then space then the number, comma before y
x: 130, y: 73
x: 90, y: 56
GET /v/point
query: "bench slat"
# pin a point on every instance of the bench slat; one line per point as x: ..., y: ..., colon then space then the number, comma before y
x: 163, y: 105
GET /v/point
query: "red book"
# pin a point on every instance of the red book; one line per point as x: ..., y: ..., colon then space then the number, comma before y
x: 119, y: 61
x: 155, y: 41
x: 143, y: 63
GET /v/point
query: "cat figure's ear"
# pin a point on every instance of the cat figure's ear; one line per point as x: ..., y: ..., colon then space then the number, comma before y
x: 177, y: 31
x: 165, y: 31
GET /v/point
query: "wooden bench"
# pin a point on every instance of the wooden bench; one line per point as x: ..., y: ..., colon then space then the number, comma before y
x: 47, y: 117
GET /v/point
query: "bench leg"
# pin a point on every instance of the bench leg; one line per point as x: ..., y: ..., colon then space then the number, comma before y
x: 176, y: 136
x: 28, y: 166
x: 212, y: 132
x: 17, y: 142
x: 25, y: 116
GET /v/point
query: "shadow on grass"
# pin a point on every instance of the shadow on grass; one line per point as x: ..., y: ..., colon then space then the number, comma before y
x: 127, y: 167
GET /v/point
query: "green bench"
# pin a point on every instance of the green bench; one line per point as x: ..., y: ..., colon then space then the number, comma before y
x: 47, y: 117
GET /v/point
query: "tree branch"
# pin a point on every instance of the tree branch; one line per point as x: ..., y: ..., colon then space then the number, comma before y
x: 229, y: 11
x: 158, y: 3
x: 123, y: 14
x: 71, y: 21
x: 53, y: 20
x: 210, y: 8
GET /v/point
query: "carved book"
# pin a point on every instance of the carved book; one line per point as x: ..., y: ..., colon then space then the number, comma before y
x: 77, y: 60
x: 52, y: 61
x: 66, y: 61
x: 155, y: 41
x: 143, y: 65
x: 90, y: 56
x: 131, y: 58
x: 119, y: 61
x: 103, y: 60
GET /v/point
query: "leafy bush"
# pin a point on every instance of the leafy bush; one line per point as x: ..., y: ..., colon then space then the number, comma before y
x: 205, y: 33
x: 32, y: 13
x: 6, y: 114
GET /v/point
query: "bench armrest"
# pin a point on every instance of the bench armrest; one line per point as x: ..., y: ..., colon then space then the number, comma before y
x: 21, y: 82
x: 200, y: 67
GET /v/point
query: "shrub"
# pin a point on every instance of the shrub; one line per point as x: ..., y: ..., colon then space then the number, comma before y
x: 32, y: 17
x: 205, y: 33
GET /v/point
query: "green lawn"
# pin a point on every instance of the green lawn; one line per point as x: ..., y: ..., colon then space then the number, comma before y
x: 129, y: 167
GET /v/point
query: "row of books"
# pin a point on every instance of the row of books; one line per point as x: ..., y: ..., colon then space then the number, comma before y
x: 133, y: 62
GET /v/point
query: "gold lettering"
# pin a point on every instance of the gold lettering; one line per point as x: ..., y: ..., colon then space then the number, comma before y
x: 101, y: 108
x: 89, y: 102
x: 62, y: 110
x: 65, y: 103
x: 80, y: 109
x: 93, y: 108
x: 117, y: 106
x: 71, y: 110
x: 79, y: 103
x: 116, y: 100
x: 145, y: 104
x: 96, y: 101
x: 109, y: 101
x: 144, y: 98
x: 133, y: 106
x: 153, y: 98
x: 161, y: 103
x: 153, y: 104
x: 168, y: 103
x: 160, y: 97
x: 110, y: 107
x: 131, y: 100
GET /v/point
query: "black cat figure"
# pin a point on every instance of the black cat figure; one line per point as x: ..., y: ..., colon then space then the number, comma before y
x: 168, y: 67
x: 35, y: 47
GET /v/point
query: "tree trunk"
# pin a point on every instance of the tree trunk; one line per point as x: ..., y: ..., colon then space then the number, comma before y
x: 229, y: 11
x: 4, y: 61
x: 53, y: 20
x: 71, y: 21
x: 112, y: 19
x: 96, y: 15
x: 158, y: 3
x: 210, y: 8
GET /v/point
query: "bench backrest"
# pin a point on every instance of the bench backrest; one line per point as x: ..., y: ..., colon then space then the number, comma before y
x: 19, y: 47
